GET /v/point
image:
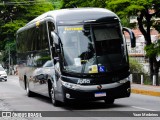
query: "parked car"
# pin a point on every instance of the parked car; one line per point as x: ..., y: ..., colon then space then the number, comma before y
x: 3, y: 74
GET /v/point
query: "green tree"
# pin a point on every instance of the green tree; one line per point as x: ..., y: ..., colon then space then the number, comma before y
x: 15, y: 14
x: 82, y: 3
x: 57, y: 4
x: 141, y: 8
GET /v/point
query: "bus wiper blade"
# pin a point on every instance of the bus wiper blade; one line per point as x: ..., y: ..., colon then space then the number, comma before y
x: 84, y: 64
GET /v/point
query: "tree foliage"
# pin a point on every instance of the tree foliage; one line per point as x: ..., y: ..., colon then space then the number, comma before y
x: 15, y: 14
x: 82, y: 3
x: 147, y: 11
x: 135, y: 66
x: 57, y: 4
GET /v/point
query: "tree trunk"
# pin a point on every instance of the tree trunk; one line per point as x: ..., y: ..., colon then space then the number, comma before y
x: 153, y: 64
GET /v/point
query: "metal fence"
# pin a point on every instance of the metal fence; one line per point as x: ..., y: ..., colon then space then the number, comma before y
x: 141, y: 78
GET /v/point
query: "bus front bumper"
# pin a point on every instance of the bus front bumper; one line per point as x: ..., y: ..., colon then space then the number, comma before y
x: 97, y: 92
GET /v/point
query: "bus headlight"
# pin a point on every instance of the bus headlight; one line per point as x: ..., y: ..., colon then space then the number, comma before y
x: 70, y: 85
x: 123, y: 81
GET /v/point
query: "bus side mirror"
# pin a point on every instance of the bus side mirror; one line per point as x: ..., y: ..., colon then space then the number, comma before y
x: 56, y: 41
x: 55, y: 37
x: 132, y: 36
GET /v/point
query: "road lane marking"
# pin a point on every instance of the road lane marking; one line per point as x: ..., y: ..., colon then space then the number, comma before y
x: 143, y: 108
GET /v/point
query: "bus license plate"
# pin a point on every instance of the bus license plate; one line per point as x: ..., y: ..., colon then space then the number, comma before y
x: 100, y: 94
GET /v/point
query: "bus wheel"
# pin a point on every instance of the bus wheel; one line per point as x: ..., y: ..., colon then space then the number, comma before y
x: 53, y: 99
x: 109, y: 101
x: 29, y: 93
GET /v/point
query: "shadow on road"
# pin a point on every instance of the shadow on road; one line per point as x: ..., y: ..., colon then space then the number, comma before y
x: 92, y: 105
x: 3, y: 81
x: 81, y: 105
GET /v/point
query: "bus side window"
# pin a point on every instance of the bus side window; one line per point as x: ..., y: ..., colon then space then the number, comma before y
x: 43, y: 53
x: 32, y: 39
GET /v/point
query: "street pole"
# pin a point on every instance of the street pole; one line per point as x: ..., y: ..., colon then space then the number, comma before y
x: 9, y: 61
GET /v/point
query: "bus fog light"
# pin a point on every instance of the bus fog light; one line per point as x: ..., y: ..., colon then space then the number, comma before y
x: 68, y: 95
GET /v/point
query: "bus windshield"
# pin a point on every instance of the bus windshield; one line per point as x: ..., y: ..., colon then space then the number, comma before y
x: 92, y: 48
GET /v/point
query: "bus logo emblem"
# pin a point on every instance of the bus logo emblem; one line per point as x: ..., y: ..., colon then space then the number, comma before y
x: 99, y: 87
x: 81, y: 81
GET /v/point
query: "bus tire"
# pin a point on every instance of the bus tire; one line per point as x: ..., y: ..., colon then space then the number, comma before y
x: 29, y: 93
x: 109, y: 101
x: 53, y: 99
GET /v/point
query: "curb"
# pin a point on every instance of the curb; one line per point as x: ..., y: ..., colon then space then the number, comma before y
x: 145, y: 92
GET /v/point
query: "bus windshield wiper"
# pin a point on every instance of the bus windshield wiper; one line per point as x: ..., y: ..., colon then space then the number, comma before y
x: 84, y: 62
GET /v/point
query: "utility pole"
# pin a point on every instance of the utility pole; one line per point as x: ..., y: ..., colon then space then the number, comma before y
x: 9, y: 63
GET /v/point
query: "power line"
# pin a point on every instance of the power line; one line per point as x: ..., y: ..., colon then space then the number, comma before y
x: 26, y: 3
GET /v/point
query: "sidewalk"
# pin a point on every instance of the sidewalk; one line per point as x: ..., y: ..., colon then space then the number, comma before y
x: 145, y: 89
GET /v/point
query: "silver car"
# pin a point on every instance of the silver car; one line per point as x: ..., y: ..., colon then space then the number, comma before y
x: 3, y: 74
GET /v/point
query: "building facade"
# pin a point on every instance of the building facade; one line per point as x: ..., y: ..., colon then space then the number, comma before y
x: 138, y: 53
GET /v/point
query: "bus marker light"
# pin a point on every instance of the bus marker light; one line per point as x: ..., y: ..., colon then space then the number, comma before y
x: 68, y: 95
x: 128, y: 90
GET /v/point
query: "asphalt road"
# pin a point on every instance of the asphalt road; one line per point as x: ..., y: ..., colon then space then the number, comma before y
x: 14, y: 98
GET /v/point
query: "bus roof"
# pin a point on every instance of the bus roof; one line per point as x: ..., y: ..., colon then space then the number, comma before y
x: 76, y: 14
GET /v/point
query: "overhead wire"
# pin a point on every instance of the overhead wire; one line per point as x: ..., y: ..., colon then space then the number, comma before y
x: 26, y: 3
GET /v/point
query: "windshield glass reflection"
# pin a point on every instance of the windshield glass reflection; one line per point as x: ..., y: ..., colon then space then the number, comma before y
x: 98, y: 48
